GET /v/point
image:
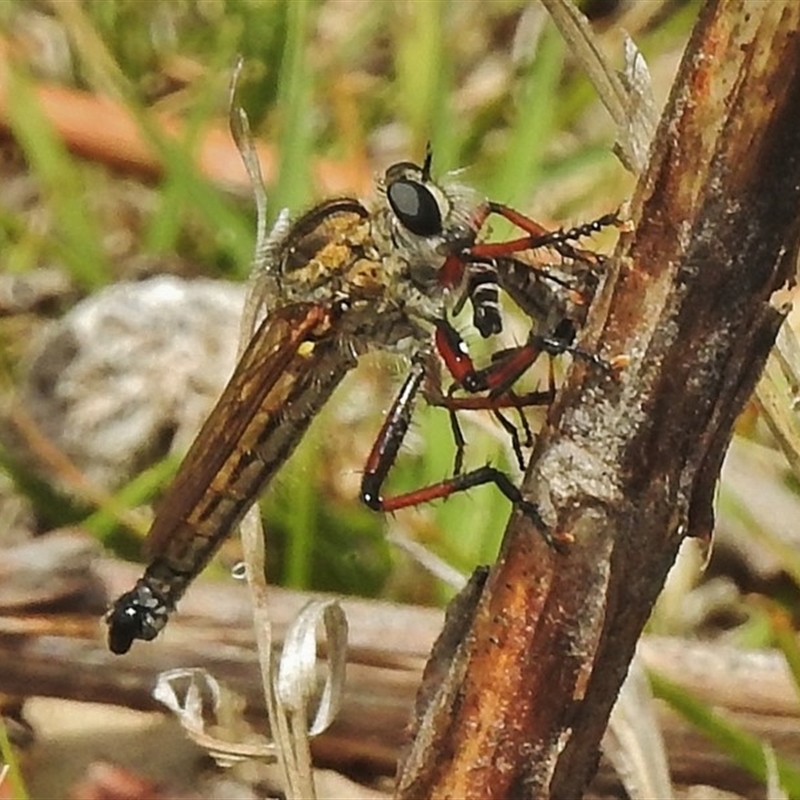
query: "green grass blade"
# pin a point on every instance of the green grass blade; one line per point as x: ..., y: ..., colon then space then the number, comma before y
x: 744, y: 748
x: 301, y: 523
x: 294, y: 95
x: 14, y: 775
x: 143, y: 488
x: 424, y: 78
x: 534, y: 122
x: 784, y: 551
x: 186, y: 193
x: 52, y: 164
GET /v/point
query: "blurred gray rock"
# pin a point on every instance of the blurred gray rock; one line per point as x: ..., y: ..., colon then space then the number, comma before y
x: 129, y: 374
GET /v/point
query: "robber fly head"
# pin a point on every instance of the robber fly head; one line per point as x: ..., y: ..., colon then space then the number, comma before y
x: 424, y: 220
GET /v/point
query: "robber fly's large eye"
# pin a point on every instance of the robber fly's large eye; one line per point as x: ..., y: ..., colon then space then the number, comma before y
x: 415, y: 207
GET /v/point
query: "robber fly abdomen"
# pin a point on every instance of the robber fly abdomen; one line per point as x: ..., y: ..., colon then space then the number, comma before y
x: 288, y: 371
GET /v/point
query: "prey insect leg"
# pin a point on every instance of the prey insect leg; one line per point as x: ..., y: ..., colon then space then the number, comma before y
x: 513, y: 432
x: 494, y: 404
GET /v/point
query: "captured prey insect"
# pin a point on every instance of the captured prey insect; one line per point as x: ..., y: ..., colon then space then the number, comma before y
x: 553, y: 284
x: 344, y: 278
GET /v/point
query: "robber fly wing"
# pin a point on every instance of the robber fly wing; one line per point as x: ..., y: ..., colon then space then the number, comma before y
x: 258, y: 374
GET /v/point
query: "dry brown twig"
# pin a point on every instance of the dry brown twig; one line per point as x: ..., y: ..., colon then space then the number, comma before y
x: 389, y: 644
x: 628, y: 465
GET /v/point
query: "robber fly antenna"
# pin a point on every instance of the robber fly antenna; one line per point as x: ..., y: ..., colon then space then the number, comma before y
x: 426, y: 164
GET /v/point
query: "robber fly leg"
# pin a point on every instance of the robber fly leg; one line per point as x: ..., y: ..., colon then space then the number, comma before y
x: 387, y: 445
x: 497, y: 378
x: 434, y: 394
x: 494, y: 381
x: 539, y: 236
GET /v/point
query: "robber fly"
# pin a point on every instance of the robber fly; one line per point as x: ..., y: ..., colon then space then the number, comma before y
x: 344, y: 278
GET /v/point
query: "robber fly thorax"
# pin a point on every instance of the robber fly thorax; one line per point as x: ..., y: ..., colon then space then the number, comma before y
x: 377, y: 265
